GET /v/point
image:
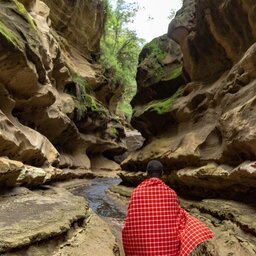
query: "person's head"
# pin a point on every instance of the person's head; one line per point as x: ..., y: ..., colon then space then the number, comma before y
x: 155, y: 169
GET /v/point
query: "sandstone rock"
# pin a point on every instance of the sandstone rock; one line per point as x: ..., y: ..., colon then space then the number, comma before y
x: 132, y: 178
x: 31, y: 176
x: 216, y: 181
x: 30, y: 146
x: 20, y: 142
x: 9, y: 171
x: 205, y: 124
x: 100, y: 163
x: 207, y: 30
x: 81, y: 31
x: 121, y: 190
x: 68, y: 174
x: 159, y: 71
x: 38, y: 217
x: 41, y: 77
x: 78, y: 160
x: 94, y: 239
x: 22, y: 69
x: 134, y: 141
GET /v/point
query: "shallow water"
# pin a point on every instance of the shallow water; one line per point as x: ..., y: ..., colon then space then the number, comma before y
x: 102, y: 204
x: 98, y: 199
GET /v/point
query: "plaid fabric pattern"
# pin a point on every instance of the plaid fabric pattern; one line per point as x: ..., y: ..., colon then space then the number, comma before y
x: 157, y: 226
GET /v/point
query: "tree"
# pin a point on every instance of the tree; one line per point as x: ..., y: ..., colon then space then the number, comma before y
x: 120, y: 48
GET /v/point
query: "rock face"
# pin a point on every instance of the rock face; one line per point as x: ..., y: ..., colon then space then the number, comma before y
x: 52, y: 222
x: 49, y: 114
x: 42, y: 217
x: 67, y: 15
x: 221, y: 32
x: 206, y: 135
x: 159, y: 74
x: 213, y: 118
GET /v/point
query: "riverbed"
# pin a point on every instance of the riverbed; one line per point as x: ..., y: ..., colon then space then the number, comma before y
x: 112, y: 211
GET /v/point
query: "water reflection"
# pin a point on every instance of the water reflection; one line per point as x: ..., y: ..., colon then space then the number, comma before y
x: 99, y: 201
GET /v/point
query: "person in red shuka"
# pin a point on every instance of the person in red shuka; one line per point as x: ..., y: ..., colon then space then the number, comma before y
x: 156, y: 225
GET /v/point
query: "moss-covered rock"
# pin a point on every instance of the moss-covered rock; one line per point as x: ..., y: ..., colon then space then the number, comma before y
x: 157, y: 62
x: 9, y: 35
x: 160, y: 107
x: 159, y: 81
x: 159, y: 73
x: 22, y: 11
x: 17, y: 25
x: 21, y: 42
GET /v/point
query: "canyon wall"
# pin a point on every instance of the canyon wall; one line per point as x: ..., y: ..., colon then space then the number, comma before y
x: 54, y: 126
x: 199, y: 115
x: 51, y: 119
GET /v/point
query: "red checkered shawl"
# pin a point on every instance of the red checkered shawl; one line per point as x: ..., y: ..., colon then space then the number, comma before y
x: 156, y: 225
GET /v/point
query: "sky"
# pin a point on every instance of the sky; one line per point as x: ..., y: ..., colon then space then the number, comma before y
x: 158, y: 10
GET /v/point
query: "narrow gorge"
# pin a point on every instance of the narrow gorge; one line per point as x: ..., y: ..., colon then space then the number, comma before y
x: 61, y: 129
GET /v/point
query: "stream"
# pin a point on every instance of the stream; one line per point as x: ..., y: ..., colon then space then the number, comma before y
x: 103, y: 205
x: 99, y: 201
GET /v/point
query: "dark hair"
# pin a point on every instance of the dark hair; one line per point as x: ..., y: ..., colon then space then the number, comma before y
x: 155, y: 168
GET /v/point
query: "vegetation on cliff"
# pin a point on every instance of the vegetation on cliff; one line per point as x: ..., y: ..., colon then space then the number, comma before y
x: 120, y: 48
x: 8, y: 34
x: 160, y: 107
x: 84, y: 102
x: 22, y: 10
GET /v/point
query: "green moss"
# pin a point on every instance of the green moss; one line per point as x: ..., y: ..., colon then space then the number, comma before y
x: 175, y: 73
x: 155, y: 49
x: 22, y: 10
x: 86, y: 102
x: 79, y: 80
x: 151, y: 59
x: 114, y: 131
x: 161, y: 107
x: 165, y: 106
x: 126, y: 108
x: 91, y: 103
x: 9, y: 35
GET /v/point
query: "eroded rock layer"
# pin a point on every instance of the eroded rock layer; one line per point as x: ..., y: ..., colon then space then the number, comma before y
x: 49, y: 114
x: 203, y: 131
x: 212, y: 119
x: 51, y: 222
